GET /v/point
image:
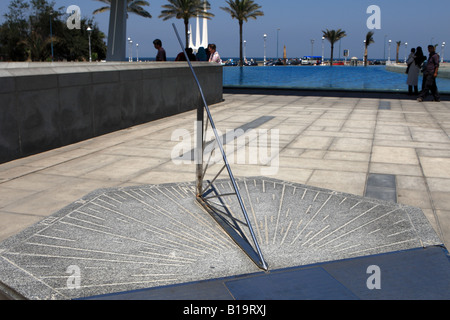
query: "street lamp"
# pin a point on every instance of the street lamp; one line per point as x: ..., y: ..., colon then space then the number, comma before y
x: 51, y: 32
x: 323, y: 50
x: 442, y: 52
x: 312, y: 47
x: 130, y: 48
x: 406, y: 51
x: 89, y: 30
x: 265, y: 39
x: 389, y: 52
x: 245, y: 56
x: 278, y: 31
x: 137, y: 52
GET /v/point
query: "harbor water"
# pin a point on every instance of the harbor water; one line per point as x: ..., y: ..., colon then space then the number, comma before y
x: 371, y: 78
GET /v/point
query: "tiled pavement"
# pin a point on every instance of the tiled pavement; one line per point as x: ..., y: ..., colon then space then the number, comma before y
x: 328, y: 142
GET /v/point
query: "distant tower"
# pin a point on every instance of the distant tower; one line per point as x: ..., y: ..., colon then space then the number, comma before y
x: 204, y: 36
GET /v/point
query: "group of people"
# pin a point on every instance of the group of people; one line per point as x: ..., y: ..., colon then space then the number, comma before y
x: 210, y: 54
x: 416, y: 63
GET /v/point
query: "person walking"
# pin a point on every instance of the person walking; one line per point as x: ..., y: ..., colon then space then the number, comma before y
x: 429, y: 76
x: 414, y: 62
x: 161, y: 56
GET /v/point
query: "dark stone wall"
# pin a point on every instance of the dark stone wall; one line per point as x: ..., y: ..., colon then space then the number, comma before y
x: 46, y: 106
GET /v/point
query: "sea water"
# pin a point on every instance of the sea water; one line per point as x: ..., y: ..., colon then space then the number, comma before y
x: 371, y: 78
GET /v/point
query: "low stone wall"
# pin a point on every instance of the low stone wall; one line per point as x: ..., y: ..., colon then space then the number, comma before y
x: 49, y: 105
x: 444, y: 70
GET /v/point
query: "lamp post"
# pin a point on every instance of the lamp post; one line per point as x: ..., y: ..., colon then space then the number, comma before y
x: 137, y: 52
x: 89, y: 30
x: 278, y: 32
x: 245, y: 45
x: 442, y: 52
x: 389, y: 52
x: 323, y: 49
x: 312, y: 47
x: 265, y: 39
x: 129, y: 53
x: 51, y: 32
x: 406, y: 51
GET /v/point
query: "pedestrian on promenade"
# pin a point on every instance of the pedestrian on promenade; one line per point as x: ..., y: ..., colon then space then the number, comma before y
x: 161, y: 56
x: 214, y: 55
x: 429, y: 76
x: 414, y: 62
x: 201, y: 54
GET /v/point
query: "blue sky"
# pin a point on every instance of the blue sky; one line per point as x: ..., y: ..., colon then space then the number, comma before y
x: 412, y: 21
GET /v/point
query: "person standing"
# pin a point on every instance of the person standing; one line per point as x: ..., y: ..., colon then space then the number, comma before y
x: 214, y: 55
x: 161, y: 56
x: 429, y: 76
x: 414, y: 62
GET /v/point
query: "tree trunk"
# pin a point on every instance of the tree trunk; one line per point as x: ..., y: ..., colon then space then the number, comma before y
x: 332, y: 54
x: 365, y: 57
x: 241, y: 60
x: 186, y: 32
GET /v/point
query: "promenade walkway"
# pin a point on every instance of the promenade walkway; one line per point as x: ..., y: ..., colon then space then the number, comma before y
x: 346, y: 144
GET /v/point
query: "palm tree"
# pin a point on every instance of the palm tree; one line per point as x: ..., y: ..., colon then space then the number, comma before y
x: 399, y: 43
x: 333, y: 36
x: 369, y: 40
x: 186, y: 9
x: 133, y: 6
x: 242, y: 10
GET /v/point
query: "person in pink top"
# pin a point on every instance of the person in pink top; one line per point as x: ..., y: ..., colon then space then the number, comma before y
x: 214, y: 55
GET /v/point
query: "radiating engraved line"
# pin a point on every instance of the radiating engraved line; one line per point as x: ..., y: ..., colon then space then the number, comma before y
x: 127, y: 238
x: 363, y: 225
x: 315, y: 198
x: 267, y: 230
x: 278, y: 214
x: 105, y: 252
x: 304, y: 193
x: 136, y: 220
x: 343, y: 200
x: 33, y: 276
x: 323, y: 229
x: 56, y: 238
x: 350, y: 247
x: 383, y: 246
x: 117, y: 194
x: 105, y: 195
x: 89, y: 215
x: 213, y: 232
x: 95, y: 224
x: 286, y: 233
x: 112, y: 205
x: 355, y: 205
x: 93, y: 259
x: 313, y: 217
x: 397, y: 233
x: 253, y: 211
x: 122, y: 283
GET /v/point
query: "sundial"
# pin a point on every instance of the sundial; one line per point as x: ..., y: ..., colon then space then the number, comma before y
x: 129, y: 238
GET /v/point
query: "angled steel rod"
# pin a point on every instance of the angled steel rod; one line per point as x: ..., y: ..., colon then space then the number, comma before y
x: 201, y: 195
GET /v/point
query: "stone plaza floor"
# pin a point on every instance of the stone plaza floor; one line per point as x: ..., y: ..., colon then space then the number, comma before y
x: 337, y: 143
